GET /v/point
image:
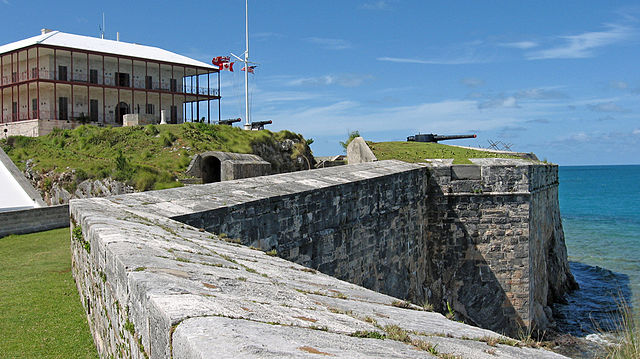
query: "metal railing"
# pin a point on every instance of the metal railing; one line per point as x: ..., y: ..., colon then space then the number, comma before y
x: 107, y: 80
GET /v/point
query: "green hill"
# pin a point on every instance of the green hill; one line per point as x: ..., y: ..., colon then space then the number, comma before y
x: 148, y: 157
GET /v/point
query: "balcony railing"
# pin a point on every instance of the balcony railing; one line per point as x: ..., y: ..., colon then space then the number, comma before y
x: 49, y: 115
x: 107, y: 80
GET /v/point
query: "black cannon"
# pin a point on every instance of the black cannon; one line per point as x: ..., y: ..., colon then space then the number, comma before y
x: 431, y: 137
x: 259, y: 125
x: 229, y: 121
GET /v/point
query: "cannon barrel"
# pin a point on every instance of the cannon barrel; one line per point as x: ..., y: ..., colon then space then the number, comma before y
x: 431, y: 137
x: 259, y: 125
x: 262, y: 123
x: 229, y: 121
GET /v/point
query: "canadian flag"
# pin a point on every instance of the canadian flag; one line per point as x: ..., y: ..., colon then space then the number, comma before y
x: 228, y: 66
x: 251, y: 69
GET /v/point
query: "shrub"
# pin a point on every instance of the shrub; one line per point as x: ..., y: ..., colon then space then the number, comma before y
x: 352, y: 135
x: 151, y: 130
x: 123, y: 170
x: 81, y: 175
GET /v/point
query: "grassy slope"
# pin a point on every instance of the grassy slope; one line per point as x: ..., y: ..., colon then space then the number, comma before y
x: 153, y: 155
x: 419, y: 151
x: 40, y: 311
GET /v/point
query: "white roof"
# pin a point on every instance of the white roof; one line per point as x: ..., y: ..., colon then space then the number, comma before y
x: 57, y: 38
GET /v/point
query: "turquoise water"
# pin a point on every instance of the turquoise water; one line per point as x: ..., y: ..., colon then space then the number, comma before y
x: 600, y: 207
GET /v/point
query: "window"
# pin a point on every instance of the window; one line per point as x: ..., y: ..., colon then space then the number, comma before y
x: 93, y: 76
x: 174, y: 114
x: 93, y: 110
x: 14, y: 77
x: 149, y: 109
x: 14, y: 111
x: 62, y: 73
x: 122, y: 79
x: 34, y: 73
x: 34, y: 108
x: 173, y: 84
x: 148, y: 82
x: 63, y: 108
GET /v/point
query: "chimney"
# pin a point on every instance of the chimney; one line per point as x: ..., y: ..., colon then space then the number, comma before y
x: 45, y: 31
x: 117, y: 36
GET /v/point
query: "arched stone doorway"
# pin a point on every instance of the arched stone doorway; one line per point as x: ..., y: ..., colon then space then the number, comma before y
x: 121, y: 109
x: 211, y: 169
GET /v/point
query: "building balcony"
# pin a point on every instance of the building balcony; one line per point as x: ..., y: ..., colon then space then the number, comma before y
x: 107, y: 80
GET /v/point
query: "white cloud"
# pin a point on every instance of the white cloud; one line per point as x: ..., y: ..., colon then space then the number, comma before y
x: 472, y: 82
x: 636, y: 131
x: 539, y: 120
x: 441, y: 61
x: 620, y: 85
x: 606, y: 107
x: 541, y: 94
x: 524, y: 45
x: 580, y: 137
x: 497, y: 102
x: 376, y: 5
x: 445, y: 117
x: 345, y: 80
x: 583, y: 45
x: 330, y: 44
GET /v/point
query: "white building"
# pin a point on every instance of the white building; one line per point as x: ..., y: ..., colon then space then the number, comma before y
x: 62, y: 80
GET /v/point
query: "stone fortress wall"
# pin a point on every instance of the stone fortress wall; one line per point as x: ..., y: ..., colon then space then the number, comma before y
x: 485, y: 240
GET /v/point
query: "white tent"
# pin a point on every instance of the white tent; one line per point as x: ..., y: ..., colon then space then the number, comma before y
x: 16, y: 192
x: 12, y: 196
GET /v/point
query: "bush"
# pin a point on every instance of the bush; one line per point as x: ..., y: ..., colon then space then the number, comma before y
x: 167, y: 139
x: 352, y: 135
x: 151, y: 130
x: 81, y: 175
x: 46, y: 184
x: 123, y: 170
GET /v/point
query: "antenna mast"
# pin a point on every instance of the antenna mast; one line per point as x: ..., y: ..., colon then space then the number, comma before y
x: 247, y: 124
x: 102, y: 34
x: 245, y: 60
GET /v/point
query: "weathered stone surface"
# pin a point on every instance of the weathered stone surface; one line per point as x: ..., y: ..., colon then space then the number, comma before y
x: 359, y: 152
x: 247, y: 339
x: 150, y: 283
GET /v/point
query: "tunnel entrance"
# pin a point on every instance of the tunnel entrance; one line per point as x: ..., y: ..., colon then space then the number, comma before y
x: 211, y: 169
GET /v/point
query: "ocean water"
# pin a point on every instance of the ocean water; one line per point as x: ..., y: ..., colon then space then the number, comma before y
x: 600, y: 208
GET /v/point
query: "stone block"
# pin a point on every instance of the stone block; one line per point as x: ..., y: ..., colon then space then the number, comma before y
x: 466, y: 172
x: 359, y: 152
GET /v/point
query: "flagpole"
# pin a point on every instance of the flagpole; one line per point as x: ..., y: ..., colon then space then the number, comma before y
x: 247, y: 125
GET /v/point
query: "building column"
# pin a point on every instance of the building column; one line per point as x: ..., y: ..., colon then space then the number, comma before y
x: 55, y: 85
x: 1, y: 88
x: 38, y: 80
x: 73, y: 102
x: 18, y: 78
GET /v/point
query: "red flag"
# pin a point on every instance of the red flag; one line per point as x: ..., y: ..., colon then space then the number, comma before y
x: 220, y: 59
x: 228, y: 66
x: 251, y: 69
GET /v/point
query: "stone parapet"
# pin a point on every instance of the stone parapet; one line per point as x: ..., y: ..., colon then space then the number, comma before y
x: 164, y: 273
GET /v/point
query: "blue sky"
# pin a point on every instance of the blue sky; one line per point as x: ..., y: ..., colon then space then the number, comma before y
x: 557, y: 78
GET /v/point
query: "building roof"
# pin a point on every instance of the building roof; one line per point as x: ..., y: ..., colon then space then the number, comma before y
x: 57, y: 38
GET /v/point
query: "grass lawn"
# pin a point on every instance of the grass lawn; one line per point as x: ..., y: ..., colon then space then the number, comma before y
x: 40, y: 312
x: 419, y: 151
